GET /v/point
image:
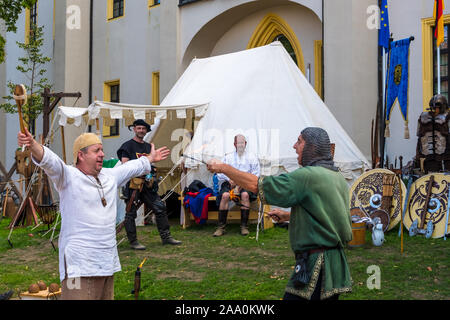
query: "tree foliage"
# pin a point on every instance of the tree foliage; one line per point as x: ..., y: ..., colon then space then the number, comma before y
x: 9, y: 13
x: 32, y: 66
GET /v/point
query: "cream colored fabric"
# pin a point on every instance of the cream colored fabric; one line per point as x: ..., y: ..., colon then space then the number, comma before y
x: 83, y: 141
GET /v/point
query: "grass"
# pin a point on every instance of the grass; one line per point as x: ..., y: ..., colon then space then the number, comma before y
x: 234, y: 267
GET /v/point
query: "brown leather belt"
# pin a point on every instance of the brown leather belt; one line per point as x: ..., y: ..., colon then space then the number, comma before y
x: 315, y: 250
x: 318, y: 250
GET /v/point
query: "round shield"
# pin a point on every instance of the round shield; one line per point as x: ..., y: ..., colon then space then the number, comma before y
x: 366, y: 193
x: 437, y: 205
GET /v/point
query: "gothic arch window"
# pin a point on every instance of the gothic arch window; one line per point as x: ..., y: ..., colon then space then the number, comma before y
x: 287, y: 45
x: 272, y: 27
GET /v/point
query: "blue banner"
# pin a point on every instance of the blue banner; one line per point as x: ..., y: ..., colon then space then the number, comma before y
x: 398, y: 78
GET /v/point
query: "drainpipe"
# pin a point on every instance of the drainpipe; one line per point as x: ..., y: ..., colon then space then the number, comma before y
x: 91, y: 24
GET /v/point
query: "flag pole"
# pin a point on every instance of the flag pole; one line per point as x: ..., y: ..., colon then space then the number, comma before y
x: 439, y: 69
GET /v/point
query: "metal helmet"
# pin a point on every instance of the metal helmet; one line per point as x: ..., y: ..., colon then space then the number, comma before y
x: 439, y: 101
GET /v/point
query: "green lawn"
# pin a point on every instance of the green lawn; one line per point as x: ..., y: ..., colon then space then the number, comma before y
x: 234, y: 267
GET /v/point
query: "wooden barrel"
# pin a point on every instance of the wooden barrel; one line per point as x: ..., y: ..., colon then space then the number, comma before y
x: 359, y: 235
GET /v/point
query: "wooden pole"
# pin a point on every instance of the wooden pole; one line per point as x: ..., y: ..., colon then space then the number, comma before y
x: 46, y: 112
x: 401, y: 212
x: 97, y: 121
x: 63, y: 144
x: 5, y: 202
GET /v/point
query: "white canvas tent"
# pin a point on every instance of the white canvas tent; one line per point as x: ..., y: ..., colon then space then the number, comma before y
x: 261, y: 93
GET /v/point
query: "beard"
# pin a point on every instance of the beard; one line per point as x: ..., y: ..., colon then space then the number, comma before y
x: 240, y: 150
x: 140, y: 135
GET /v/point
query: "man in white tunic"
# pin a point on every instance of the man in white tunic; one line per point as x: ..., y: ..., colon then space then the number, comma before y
x: 243, y: 161
x: 88, y: 255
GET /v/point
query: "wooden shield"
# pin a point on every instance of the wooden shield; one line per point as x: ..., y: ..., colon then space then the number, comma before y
x: 368, y: 190
x: 437, y: 209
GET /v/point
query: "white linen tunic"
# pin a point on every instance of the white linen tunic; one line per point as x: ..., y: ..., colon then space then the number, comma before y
x: 87, y: 242
x: 248, y: 162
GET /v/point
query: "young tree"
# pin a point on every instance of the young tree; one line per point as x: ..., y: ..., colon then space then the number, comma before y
x: 9, y: 13
x: 32, y: 66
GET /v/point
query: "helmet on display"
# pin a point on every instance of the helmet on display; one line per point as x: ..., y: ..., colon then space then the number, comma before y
x: 438, y: 101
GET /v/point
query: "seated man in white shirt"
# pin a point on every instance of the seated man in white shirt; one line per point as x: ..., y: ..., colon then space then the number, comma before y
x: 244, y: 161
x: 88, y: 255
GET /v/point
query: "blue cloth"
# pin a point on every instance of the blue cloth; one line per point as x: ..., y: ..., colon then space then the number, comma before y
x: 384, y: 33
x: 197, y: 202
x: 398, y: 77
x: 216, y: 185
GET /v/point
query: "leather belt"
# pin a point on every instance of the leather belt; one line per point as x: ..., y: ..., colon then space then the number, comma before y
x: 315, y: 250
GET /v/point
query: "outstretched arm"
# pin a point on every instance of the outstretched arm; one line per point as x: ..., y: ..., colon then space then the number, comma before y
x: 243, y: 179
x: 138, y: 167
x: 26, y: 139
x: 158, y: 155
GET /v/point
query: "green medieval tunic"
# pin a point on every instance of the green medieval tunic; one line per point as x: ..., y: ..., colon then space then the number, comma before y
x: 320, y: 218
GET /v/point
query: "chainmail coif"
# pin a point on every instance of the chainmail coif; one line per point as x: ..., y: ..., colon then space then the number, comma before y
x: 317, y: 150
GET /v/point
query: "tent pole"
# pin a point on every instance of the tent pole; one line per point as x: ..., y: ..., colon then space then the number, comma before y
x: 63, y: 140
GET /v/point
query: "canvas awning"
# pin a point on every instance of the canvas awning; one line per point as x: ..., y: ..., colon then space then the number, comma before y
x: 110, y: 111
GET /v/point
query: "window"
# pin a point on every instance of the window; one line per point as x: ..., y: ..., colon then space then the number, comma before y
x: 152, y: 3
x: 444, y: 66
x: 30, y: 21
x: 116, y: 9
x: 112, y: 94
x: 287, y: 45
x: 33, y: 14
x: 429, y: 60
x: 273, y: 27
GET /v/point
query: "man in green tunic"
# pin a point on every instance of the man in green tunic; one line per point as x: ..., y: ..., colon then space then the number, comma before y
x: 319, y: 221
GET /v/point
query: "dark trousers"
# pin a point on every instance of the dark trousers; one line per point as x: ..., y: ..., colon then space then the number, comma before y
x: 315, y: 296
x: 153, y: 201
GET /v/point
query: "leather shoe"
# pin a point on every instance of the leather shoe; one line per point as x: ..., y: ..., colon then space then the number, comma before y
x: 137, y: 246
x: 6, y: 295
x: 171, y: 241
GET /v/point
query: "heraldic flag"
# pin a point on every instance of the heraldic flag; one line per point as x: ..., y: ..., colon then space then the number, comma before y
x: 398, y: 82
x: 384, y: 33
x: 438, y: 13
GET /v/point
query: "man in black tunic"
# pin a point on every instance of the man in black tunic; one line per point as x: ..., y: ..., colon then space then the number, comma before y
x: 144, y: 190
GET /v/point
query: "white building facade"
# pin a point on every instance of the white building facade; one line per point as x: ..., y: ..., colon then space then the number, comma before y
x: 134, y: 51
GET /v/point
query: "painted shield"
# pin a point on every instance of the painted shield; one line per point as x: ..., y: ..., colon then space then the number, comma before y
x: 367, y: 193
x: 437, y: 205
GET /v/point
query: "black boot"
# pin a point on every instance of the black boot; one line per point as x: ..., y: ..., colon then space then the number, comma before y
x: 220, y: 231
x: 166, y: 238
x: 130, y: 227
x: 162, y: 223
x: 245, y: 213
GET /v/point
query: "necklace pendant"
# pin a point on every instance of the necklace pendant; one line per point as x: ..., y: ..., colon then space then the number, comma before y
x: 104, y: 202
